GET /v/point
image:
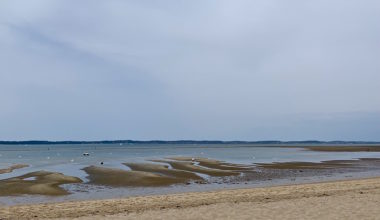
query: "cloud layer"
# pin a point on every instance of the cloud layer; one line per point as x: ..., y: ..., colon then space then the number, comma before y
x: 217, y: 69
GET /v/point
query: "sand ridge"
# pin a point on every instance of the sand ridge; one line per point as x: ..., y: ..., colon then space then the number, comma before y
x: 183, y: 170
x: 39, y: 182
x: 119, y: 177
x: 163, y: 170
x: 214, y: 164
x: 13, y: 167
x: 192, y: 167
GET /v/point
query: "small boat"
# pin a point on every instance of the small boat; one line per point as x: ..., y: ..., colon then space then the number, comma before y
x: 86, y: 154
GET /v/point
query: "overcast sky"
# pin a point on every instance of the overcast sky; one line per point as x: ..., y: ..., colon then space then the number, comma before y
x: 194, y: 69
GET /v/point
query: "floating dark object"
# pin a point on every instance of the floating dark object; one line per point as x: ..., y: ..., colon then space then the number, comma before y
x: 86, y: 154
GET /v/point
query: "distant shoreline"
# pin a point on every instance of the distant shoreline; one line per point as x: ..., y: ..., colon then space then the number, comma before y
x: 41, y: 142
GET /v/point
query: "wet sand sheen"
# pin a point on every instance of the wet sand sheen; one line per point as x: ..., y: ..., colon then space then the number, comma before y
x: 214, y: 164
x: 40, y: 182
x: 163, y: 170
x: 191, y: 167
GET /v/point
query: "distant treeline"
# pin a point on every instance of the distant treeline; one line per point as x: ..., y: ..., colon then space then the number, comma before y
x: 36, y: 142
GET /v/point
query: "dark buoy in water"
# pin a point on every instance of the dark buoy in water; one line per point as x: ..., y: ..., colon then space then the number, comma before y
x: 86, y: 154
x: 101, y: 163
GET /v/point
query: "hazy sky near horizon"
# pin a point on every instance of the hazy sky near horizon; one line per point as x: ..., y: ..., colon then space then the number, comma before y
x: 195, y: 69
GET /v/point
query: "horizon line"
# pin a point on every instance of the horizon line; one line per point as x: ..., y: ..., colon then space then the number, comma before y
x: 185, y: 141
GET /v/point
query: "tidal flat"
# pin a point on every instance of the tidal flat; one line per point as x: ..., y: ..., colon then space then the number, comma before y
x: 62, y: 173
x: 360, y: 148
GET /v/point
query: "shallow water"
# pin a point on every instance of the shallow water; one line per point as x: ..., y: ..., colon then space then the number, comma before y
x: 69, y: 160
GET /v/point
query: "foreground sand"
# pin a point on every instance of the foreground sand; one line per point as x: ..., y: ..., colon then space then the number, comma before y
x: 354, y: 199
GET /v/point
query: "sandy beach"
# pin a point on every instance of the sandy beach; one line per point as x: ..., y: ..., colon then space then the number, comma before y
x: 350, y: 199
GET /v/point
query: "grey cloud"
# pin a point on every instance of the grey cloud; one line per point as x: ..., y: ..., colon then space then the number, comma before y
x: 241, y: 69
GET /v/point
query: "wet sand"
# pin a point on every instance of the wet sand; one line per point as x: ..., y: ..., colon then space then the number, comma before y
x: 353, y: 199
x: 331, y: 164
x: 191, y: 167
x: 13, y: 167
x: 213, y: 164
x: 364, y: 148
x: 187, y: 172
x: 40, y: 182
x: 163, y: 170
x: 119, y: 178
x: 183, y: 171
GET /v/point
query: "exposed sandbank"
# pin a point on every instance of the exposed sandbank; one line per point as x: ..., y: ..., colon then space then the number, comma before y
x: 118, y: 177
x: 214, y: 164
x: 155, y: 174
x: 163, y: 170
x: 13, y: 167
x: 190, y: 166
x: 307, y: 165
x: 365, y: 148
x: 331, y: 164
x: 40, y: 182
